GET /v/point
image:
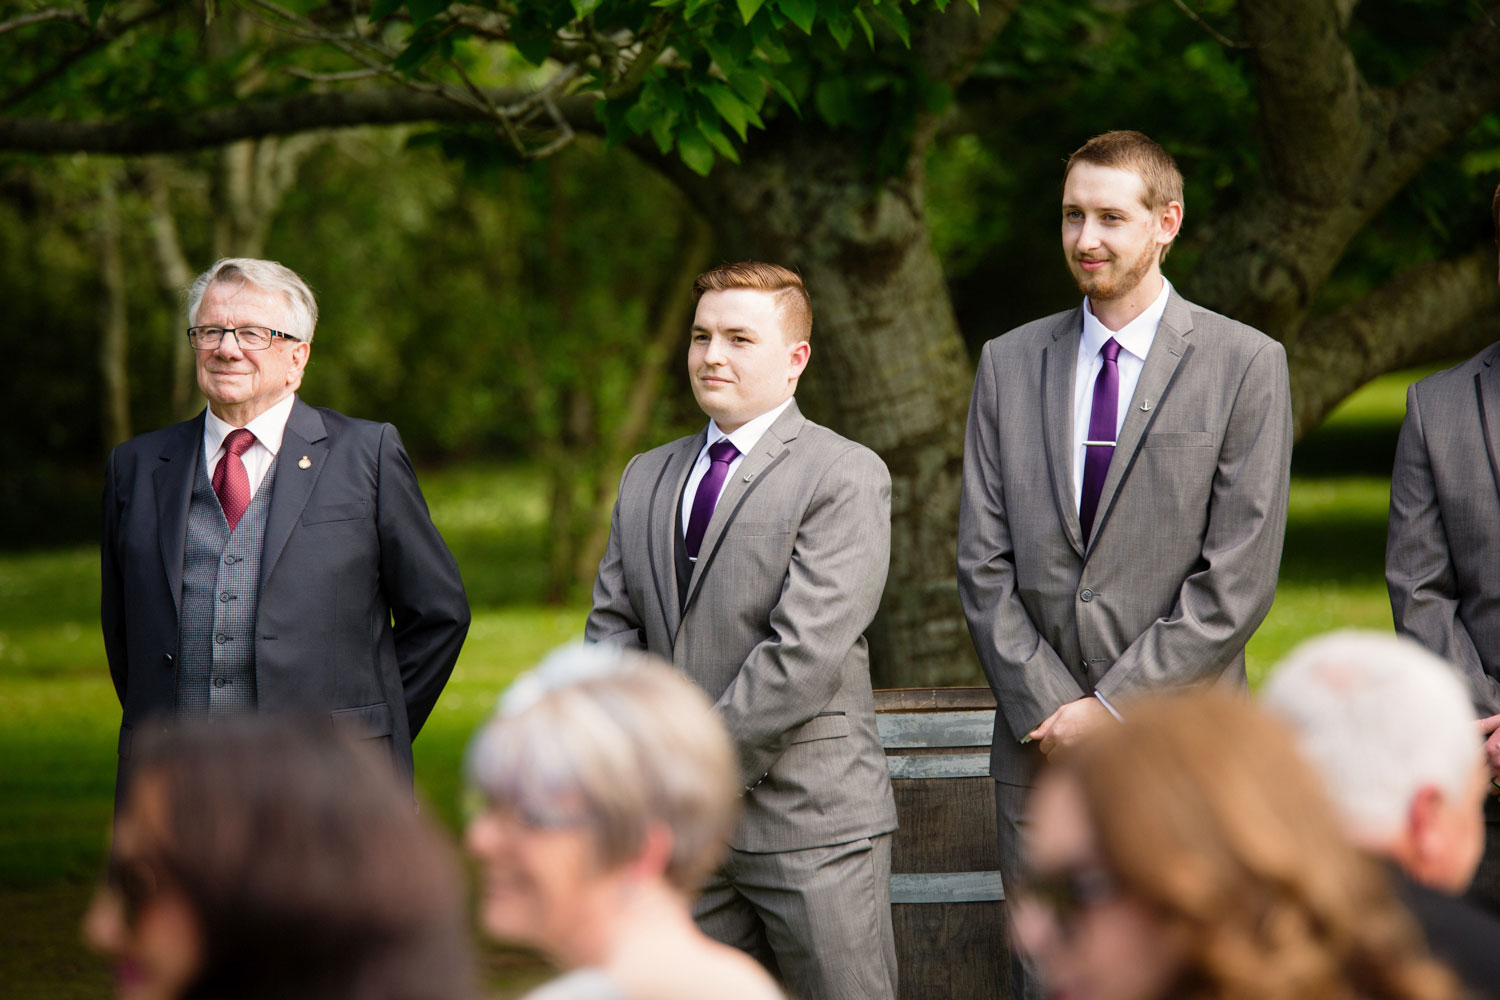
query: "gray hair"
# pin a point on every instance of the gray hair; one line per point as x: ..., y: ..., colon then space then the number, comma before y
x: 268, y: 275
x: 613, y: 742
x: 1380, y: 718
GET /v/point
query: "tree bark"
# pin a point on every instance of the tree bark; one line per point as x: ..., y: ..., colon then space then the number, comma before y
x: 888, y: 366
x: 114, y: 328
x: 173, y: 274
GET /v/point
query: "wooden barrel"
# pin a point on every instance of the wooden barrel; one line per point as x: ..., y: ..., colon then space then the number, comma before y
x: 945, y: 884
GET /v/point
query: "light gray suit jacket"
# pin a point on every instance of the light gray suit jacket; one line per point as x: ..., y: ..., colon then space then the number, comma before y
x: 789, y: 576
x: 1442, y: 554
x: 1182, y: 564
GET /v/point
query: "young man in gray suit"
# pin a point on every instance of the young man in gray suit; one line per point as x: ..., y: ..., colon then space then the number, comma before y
x: 1125, y: 482
x: 753, y: 555
x: 1442, y: 553
x: 269, y: 556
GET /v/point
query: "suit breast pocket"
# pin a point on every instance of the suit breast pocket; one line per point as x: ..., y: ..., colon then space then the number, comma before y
x: 350, y: 510
x: 752, y: 529
x: 1178, y: 439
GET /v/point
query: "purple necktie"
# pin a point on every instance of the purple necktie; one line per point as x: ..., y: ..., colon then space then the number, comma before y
x: 231, y: 482
x: 720, y: 454
x: 1099, y: 446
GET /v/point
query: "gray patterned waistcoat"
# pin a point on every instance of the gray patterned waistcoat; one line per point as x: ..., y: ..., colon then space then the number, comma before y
x: 220, y: 592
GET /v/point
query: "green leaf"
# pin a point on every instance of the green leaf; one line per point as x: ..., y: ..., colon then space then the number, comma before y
x: 891, y: 14
x: 748, y: 9
x: 583, y: 8
x: 423, y: 11
x: 534, y: 47
x: 975, y: 5
x: 661, y: 131
x: 96, y: 8
x: 785, y: 93
x: 729, y: 107
x: 833, y: 100
x: 382, y: 9
x: 864, y: 23
x: 721, y: 144
x: 802, y: 13
x: 842, y: 30
x: 749, y: 85
x: 695, y: 150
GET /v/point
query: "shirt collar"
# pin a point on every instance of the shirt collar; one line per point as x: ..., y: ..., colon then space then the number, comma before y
x: 1135, y: 336
x: 748, y: 433
x: 268, y: 428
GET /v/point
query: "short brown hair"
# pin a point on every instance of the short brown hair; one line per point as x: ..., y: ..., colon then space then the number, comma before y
x: 791, y: 295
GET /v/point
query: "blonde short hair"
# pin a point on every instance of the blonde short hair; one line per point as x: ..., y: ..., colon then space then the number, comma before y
x: 266, y: 275
x: 613, y: 742
x: 792, y: 300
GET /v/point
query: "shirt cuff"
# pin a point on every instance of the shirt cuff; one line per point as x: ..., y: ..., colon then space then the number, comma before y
x: 1108, y: 707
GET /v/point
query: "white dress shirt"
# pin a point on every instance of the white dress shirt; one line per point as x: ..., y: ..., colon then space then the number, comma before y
x: 1135, y: 340
x: 744, y: 439
x: 267, y: 428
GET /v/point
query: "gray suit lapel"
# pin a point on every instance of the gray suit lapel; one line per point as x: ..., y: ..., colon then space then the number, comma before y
x: 661, y: 528
x: 294, y: 484
x: 766, y: 453
x: 1059, y: 362
x: 1487, y: 386
x: 1167, y: 351
x: 173, y: 482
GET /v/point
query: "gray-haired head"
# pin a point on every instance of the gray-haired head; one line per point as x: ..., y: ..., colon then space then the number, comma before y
x: 267, y: 275
x: 1381, y: 718
x: 613, y: 742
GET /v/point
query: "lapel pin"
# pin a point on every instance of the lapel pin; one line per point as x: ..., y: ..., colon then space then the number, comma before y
x: 749, y: 476
x: 1145, y: 406
x: 305, y: 463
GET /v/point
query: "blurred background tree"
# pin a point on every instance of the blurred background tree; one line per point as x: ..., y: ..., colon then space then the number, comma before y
x: 504, y: 261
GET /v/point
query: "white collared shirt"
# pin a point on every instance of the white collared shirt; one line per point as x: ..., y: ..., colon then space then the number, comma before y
x: 267, y: 428
x: 744, y: 439
x: 1135, y: 340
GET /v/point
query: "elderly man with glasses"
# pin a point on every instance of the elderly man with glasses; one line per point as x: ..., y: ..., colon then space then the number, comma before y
x: 267, y: 555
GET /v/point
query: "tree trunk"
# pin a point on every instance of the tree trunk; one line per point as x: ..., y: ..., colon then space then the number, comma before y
x: 862, y: 246
x: 114, y: 328
x: 173, y: 274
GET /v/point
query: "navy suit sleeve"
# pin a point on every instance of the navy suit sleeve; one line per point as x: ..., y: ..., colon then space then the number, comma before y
x: 111, y: 588
x: 421, y: 583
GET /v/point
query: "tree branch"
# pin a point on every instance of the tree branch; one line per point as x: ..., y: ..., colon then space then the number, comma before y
x: 1434, y: 311
x: 72, y: 16
x: 1313, y: 100
x: 164, y: 132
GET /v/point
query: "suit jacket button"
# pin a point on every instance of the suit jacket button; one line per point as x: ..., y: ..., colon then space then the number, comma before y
x: 218, y: 682
x: 166, y: 660
x: 1086, y: 595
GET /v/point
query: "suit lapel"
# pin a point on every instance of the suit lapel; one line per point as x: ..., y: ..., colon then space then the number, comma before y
x: 1059, y: 362
x: 294, y: 484
x: 661, y: 528
x: 1167, y: 351
x: 766, y: 453
x: 1487, y: 386
x: 173, y: 482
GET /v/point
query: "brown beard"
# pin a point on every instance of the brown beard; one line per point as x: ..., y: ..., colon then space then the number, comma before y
x: 1098, y: 290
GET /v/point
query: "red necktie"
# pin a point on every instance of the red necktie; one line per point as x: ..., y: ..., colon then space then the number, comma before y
x: 231, y: 482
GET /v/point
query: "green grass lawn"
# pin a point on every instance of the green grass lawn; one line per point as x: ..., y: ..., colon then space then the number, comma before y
x: 59, y: 717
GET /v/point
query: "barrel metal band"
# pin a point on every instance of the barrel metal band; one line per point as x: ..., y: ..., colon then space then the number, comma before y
x: 947, y: 887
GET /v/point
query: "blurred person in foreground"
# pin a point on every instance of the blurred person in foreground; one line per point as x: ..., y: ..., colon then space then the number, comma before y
x: 268, y: 555
x: 1443, y: 544
x: 272, y: 858
x: 609, y: 792
x: 1190, y: 853
x: 1391, y: 730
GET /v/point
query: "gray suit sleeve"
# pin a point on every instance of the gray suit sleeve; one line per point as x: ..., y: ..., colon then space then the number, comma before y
x: 421, y: 582
x: 1419, y: 568
x: 612, y: 617
x: 1221, y: 604
x: 833, y: 585
x: 1029, y: 679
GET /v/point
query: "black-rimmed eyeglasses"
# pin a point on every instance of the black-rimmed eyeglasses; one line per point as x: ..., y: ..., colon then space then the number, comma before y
x: 250, y: 338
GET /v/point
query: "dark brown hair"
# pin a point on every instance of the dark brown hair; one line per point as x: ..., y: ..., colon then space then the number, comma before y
x: 791, y: 295
x: 1205, y: 812
x: 308, y: 868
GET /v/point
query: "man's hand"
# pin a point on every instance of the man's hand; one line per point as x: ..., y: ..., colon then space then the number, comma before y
x: 1490, y: 727
x: 1076, y: 719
